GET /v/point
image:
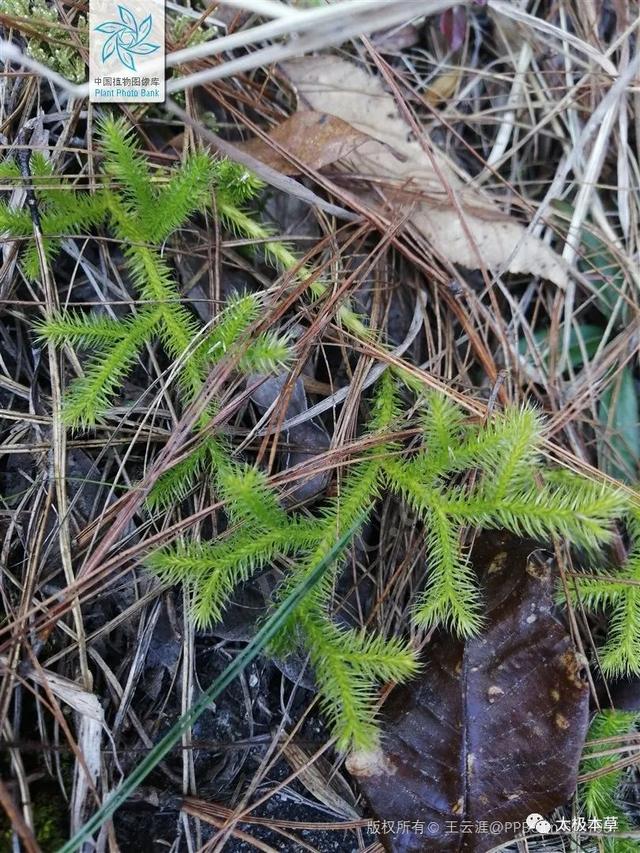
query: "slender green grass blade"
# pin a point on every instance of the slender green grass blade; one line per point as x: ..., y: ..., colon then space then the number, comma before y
x: 619, y: 415
x: 251, y: 651
x: 590, y: 337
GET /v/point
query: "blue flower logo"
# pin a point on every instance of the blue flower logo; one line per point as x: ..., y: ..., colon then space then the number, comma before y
x: 127, y: 38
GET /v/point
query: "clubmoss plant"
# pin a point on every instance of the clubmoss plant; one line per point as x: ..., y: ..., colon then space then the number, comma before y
x: 47, y: 40
x: 141, y: 210
x: 186, y: 32
x: 599, y: 797
x: 141, y: 214
x: 619, y: 595
x: 62, y: 211
x: 510, y: 489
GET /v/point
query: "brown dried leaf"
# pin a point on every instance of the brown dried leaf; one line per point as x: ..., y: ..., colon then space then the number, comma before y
x: 483, y: 235
x: 494, y: 728
x: 314, y: 138
x: 442, y: 87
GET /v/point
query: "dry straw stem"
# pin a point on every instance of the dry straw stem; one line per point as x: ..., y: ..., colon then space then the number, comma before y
x: 314, y: 29
x: 90, y: 727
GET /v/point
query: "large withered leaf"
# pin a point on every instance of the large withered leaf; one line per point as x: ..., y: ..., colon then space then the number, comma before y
x: 493, y: 729
x: 461, y: 221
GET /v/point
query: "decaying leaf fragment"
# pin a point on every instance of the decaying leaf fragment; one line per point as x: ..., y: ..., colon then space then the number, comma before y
x: 317, y: 139
x: 494, y: 728
x: 464, y: 223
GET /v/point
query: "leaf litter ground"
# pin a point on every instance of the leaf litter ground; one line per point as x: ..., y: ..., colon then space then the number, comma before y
x: 512, y: 338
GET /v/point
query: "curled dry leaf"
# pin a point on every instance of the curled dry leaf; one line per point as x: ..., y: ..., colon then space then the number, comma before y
x: 494, y: 728
x: 442, y: 87
x: 314, y: 138
x: 464, y: 223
